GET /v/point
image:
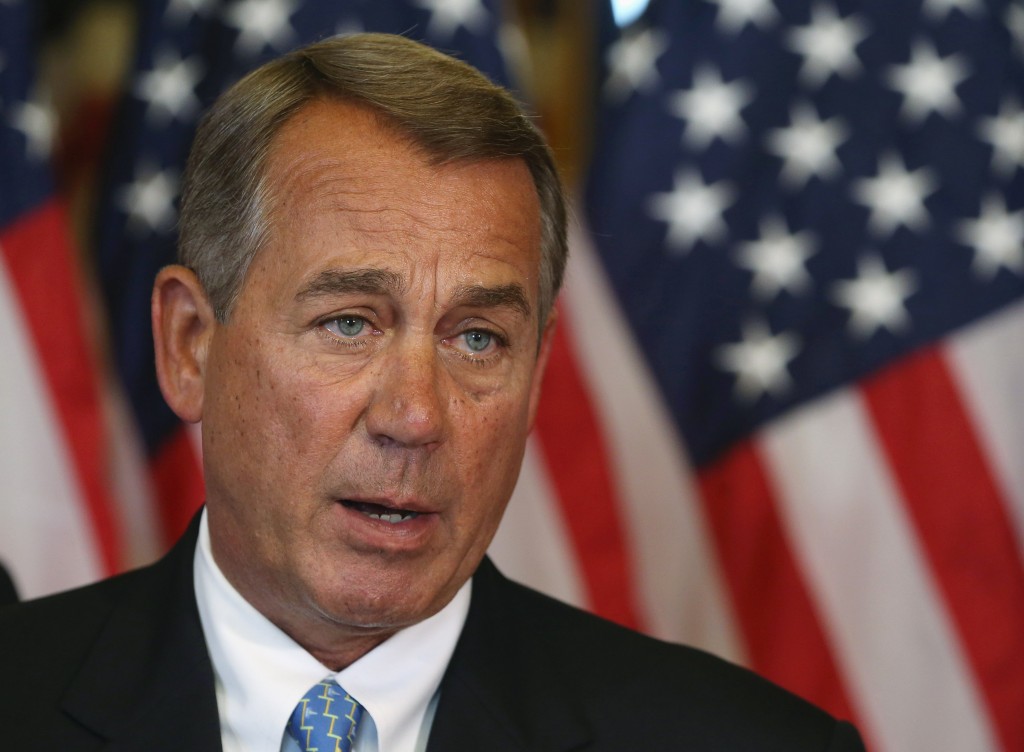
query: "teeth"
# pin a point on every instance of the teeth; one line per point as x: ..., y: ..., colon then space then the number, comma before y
x: 393, y: 518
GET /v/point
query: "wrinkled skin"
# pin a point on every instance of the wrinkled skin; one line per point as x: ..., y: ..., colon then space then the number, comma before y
x: 382, y: 355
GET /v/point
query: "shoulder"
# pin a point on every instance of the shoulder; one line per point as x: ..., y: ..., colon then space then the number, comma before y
x: 55, y: 630
x: 47, y: 638
x: 671, y: 690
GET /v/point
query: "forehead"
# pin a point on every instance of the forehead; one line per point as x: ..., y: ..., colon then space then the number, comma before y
x: 344, y: 186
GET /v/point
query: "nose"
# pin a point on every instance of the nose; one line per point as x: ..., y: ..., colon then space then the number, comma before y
x: 408, y: 404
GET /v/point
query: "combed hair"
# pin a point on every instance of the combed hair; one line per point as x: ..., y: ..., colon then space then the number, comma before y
x: 444, y: 106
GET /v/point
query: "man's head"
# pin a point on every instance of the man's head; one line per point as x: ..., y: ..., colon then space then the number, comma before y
x: 446, y: 107
x: 377, y: 236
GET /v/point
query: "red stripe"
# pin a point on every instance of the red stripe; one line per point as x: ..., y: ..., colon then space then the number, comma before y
x: 178, y: 482
x: 44, y: 272
x: 781, y: 626
x: 572, y: 443
x: 961, y: 517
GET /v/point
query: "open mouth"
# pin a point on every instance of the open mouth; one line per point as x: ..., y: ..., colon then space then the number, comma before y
x: 379, y: 512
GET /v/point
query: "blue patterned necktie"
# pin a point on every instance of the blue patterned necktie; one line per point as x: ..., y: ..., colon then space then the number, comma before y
x: 325, y: 719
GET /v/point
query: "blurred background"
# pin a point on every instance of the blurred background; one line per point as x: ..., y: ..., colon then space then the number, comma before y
x: 781, y: 421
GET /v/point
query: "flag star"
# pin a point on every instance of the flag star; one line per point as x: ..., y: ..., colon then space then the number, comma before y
x: 1015, y: 23
x: 631, y: 63
x: 446, y: 16
x: 349, y: 26
x: 170, y: 88
x: 808, y: 146
x: 711, y: 107
x: 876, y: 298
x: 928, y: 83
x: 1005, y: 133
x: 828, y: 45
x: 149, y: 200
x: 693, y: 210
x: 184, y: 10
x: 760, y: 361
x: 939, y: 9
x: 777, y: 259
x: 261, y: 23
x: 734, y: 15
x: 36, y: 120
x: 997, y: 237
x: 896, y: 196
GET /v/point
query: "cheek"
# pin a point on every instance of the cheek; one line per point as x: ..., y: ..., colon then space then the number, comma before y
x: 491, y: 436
x: 263, y: 414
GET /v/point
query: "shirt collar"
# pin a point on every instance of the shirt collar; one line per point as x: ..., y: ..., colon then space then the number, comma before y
x: 261, y: 672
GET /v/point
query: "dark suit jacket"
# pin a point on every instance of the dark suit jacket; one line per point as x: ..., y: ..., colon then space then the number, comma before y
x: 8, y: 593
x: 122, y: 665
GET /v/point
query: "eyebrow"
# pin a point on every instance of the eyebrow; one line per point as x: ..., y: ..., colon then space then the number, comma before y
x: 382, y: 282
x: 336, y: 282
x: 502, y: 296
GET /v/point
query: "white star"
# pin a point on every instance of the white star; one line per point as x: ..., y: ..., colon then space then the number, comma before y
x: 631, y: 63
x: 180, y: 11
x: 828, y: 45
x: 36, y: 120
x: 1015, y: 24
x: 777, y: 259
x: 446, y: 16
x: 1005, y: 133
x: 734, y: 15
x: 759, y: 361
x: 149, y: 201
x: 939, y: 9
x: 876, y: 298
x: 997, y: 237
x: 693, y: 210
x: 261, y: 24
x: 711, y: 107
x: 349, y: 26
x: 808, y: 146
x: 928, y: 83
x: 896, y: 196
x: 170, y: 88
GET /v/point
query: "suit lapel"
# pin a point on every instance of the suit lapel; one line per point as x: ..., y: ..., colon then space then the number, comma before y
x: 148, y: 683
x: 498, y: 694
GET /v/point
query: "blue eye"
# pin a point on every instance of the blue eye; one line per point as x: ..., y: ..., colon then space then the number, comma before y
x: 346, y: 326
x: 478, y: 341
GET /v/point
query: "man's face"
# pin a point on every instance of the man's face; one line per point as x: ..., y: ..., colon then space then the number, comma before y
x: 366, y: 406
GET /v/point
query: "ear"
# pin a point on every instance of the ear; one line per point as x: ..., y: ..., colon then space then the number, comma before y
x: 543, y: 353
x: 183, y: 325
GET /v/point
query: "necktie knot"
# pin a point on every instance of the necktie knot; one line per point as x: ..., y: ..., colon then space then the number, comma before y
x: 325, y: 719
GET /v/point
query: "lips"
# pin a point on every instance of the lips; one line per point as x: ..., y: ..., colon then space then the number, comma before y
x: 389, y: 514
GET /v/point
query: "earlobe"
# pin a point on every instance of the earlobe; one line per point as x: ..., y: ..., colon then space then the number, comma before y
x: 183, y: 325
x: 547, y: 339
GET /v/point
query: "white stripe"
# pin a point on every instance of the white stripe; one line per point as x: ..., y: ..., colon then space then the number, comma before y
x: 988, y: 361
x: 894, y: 644
x: 45, y: 536
x: 131, y: 488
x: 680, y: 586
x: 532, y: 544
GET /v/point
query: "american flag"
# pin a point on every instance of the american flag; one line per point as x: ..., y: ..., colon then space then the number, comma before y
x: 778, y: 422
x: 57, y: 513
x: 796, y: 311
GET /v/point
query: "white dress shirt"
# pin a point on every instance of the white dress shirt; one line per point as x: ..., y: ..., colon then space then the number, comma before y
x: 261, y: 673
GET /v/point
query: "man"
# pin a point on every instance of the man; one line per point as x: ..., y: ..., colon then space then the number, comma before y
x: 372, y: 238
